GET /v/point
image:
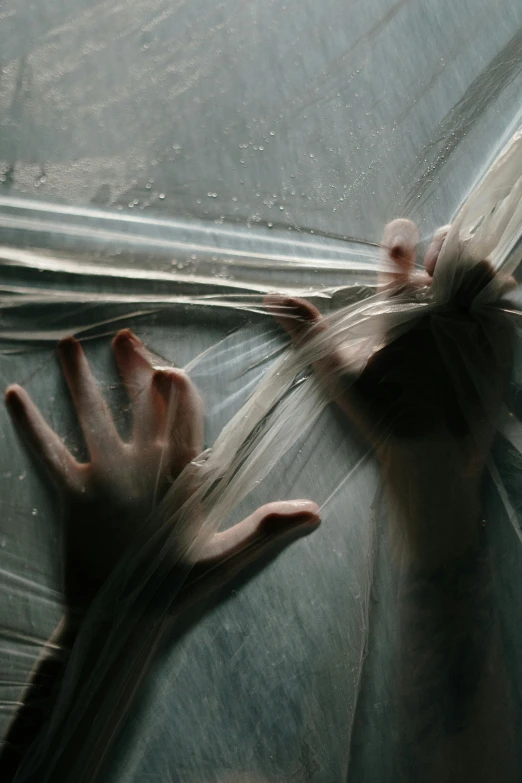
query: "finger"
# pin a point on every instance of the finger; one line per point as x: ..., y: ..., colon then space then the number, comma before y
x: 295, y: 315
x: 303, y: 322
x: 271, y: 527
x: 433, y: 251
x: 399, y: 243
x: 335, y: 369
x: 183, y: 421
x: 135, y: 366
x: 42, y: 440
x: 93, y: 414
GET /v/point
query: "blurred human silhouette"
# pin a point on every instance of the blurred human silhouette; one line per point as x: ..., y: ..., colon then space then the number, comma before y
x: 428, y: 401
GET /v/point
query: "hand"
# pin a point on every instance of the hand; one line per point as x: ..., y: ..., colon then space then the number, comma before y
x: 428, y: 400
x: 108, y: 500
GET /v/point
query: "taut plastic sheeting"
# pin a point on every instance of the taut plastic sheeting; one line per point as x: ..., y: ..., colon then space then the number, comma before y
x: 164, y: 167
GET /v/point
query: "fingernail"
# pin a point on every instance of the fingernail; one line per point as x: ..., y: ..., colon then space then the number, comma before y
x: 302, y: 505
x: 131, y: 337
x: 127, y: 339
x: 398, y: 245
x: 14, y: 403
x: 68, y: 348
x: 292, y: 514
x: 303, y: 311
x: 166, y: 382
x: 12, y: 398
x: 275, y: 524
x: 280, y: 302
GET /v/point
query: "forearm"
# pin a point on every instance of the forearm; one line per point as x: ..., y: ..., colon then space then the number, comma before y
x: 455, y: 690
x: 435, y: 505
x: 87, y: 714
x: 39, y: 697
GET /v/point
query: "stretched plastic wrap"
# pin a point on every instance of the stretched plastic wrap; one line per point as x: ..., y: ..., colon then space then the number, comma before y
x: 295, y: 676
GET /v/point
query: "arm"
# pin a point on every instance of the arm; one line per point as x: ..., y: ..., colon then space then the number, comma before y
x: 38, y: 697
x: 427, y: 401
x: 109, y: 501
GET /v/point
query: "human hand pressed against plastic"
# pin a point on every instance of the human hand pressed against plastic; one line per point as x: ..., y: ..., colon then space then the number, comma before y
x: 427, y: 401
x: 108, y: 499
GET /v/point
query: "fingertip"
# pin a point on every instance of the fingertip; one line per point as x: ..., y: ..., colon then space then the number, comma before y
x: 290, y: 515
x: 165, y: 379
x: 13, y: 396
x: 17, y: 401
x: 273, y: 298
x: 290, y: 310
x: 400, y: 240
x: 13, y: 388
x: 401, y: 252
x: 124, y: 338
x: 305, y: 310
x: 68, y: 348
x: 300, y: 506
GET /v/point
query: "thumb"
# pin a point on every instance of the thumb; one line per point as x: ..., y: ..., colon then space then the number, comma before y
x: 264, y: 534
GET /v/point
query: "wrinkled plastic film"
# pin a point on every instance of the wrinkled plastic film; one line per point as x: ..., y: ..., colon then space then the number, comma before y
x: 278, y: 412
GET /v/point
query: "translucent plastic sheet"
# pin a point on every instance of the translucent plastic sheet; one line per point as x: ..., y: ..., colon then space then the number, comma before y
x: 269, y: 420
x: 293, y: 678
